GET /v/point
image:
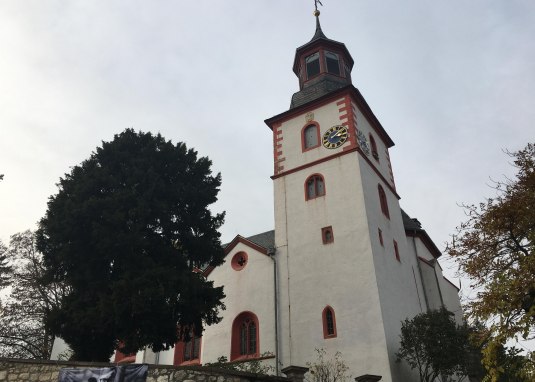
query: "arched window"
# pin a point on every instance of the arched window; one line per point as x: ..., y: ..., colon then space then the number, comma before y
x: 312, y: 63
x: 329, y: 322
x: 187, y: 351
x: 375, y: 153
x: 382, y: 200
x: 333, y: 63
x: 244, y: 336
x: 314, y: 187
x: 310, y: 136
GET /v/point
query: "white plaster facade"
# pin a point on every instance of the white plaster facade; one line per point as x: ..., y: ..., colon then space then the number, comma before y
x: 291, y: 275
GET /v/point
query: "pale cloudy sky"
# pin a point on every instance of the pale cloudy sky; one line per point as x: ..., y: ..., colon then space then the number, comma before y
x: 453, y: 83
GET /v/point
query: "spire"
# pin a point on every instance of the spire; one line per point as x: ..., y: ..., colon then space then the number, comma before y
x: 319, y: 33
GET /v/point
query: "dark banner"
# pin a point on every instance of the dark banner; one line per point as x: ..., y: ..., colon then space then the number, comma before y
x: 126, y: 373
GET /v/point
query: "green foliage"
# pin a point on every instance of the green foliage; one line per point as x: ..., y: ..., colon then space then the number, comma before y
x: 125, y: 232
x: 5, y: 268
x: 435, y: 345
x: 495, y: 249
x: 22, y: 330
x: 327, y: 370
x: 255, y: 366
x: 497, y: 363
x: 506, y: 364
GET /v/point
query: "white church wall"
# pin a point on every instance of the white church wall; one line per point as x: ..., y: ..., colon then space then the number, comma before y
x: 450, y: 294
x: 340, y: 274
x: 58, y: 348
x: 399, y: 291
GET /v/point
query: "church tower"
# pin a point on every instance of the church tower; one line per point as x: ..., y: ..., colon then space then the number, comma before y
x: 346, y: 276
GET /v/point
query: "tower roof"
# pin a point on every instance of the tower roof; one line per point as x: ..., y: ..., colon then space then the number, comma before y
x: 319, y: 33
x: 320, y: 39
x: 322, y: 66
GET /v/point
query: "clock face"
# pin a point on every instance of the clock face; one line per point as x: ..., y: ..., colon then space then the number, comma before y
x: 335, y: 137
x: 363, y: 142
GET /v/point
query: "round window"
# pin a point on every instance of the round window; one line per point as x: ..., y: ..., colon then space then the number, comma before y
x: 239, y: 260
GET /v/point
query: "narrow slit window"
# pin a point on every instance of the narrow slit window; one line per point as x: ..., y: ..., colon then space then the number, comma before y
x: 381, y: 237
x: 396, y: 251
x: 383, y: 201
x: 375, y: 153
x: 329, y: 323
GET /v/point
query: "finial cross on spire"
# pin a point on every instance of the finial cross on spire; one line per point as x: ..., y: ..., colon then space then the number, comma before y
x: 316, y: 2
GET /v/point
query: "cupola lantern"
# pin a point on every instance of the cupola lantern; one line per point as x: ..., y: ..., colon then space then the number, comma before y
x: 322, y: 65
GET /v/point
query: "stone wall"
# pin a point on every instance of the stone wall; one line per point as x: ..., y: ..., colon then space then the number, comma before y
x: 12, y: 370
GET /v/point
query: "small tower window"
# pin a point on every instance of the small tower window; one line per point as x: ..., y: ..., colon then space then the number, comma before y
x: 313, y: 65
x: 311, y: 137
x: 383, y: 201
x: 333, y: 63
x: 327, y: 235
x: 314, y: 187
x: 329, y: 323
x: 375, y: 153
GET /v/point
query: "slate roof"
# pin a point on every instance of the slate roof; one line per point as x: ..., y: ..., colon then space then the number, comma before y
x: 411, y: 224
x: 324, y: 86
x: 265, y: 239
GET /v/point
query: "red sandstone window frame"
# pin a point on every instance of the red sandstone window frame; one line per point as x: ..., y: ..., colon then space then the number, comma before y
x: 244, y: 319
x: 179, y: 356
x: 327, y: 235
x: 303, y: 136
x: 239, y: 261
x: 329, y: 322
x: 383, y: 201
x: 121, y: 357
x: 396, y: 251
x: 317, y: 192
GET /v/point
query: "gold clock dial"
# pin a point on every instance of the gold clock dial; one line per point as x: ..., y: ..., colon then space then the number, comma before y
x: 335, y: 137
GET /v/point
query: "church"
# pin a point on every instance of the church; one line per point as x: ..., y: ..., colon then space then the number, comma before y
x: 344, y: 264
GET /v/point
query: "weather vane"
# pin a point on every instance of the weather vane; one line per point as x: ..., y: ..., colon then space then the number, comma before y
x: 316, y: 12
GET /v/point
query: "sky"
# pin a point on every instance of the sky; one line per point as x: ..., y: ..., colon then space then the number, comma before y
x: 452, y: 82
